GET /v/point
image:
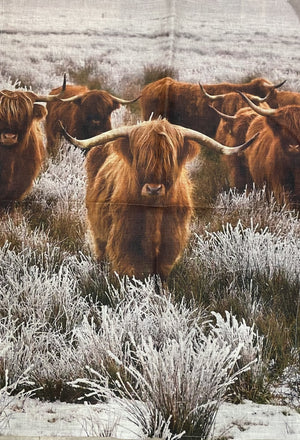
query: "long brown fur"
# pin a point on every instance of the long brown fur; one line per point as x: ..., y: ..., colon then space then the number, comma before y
x: 285, y: 97
x: 86, y: 117
x: 140, y: 235
x: 184, y: 103
x: 20, y: 162
x: 274, y: 157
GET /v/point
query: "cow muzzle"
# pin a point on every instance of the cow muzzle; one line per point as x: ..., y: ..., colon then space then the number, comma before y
x: 153, y: 189
x: 8, y: 138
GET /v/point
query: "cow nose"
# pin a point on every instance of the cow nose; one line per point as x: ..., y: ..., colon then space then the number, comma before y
x: 10, y: 135
x: 8, y: 138
x: 152, y: 189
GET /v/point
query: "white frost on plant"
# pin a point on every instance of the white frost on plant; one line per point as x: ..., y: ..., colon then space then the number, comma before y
x: 167, y: 366
x: 259, y: 206
x: 246, y: 250
x: 62, y: 183
x: 235, y: 333
x: 137, y: 311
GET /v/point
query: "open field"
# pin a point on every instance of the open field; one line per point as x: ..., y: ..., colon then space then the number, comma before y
x: 226, y: 328
x: 200, y: 40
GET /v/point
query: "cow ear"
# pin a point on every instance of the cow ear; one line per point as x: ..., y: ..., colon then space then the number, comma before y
x: 122, y: 147
x: 78, y: 101
x: 189, y: 150
x: 39, y: 111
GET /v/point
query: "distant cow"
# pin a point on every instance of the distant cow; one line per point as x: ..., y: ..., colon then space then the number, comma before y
x: 85, y: 113
x: 184, y: 103
x: 21, y: 144
x: 139, y: 196
x: 232, y: 131
x: 274, y: 157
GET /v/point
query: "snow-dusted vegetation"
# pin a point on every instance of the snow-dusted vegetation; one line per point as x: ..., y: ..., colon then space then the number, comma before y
x: 225, y: 328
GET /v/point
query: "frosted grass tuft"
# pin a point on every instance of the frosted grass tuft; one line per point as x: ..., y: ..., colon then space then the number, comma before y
x: 247, y: 250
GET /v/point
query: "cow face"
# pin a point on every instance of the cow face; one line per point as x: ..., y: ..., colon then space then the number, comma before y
x: 286, y: 122
x: 156, y: 155
x: 95, y: 108
x: 17, y: 112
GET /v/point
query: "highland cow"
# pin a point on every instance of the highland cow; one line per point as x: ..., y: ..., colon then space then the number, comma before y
x: 85, y: 113
x: 274, y: 157
x: 21, y: 142
x: 139, y: 196
x: 232, y: 131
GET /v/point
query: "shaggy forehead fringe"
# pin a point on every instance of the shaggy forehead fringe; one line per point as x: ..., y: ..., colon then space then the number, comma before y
x: 157, y: 145
x: 289, y: 119
x: 15, y: 107
x: 100, y: 99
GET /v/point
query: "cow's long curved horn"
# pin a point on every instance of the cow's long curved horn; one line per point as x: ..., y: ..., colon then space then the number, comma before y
x: 102, y: 138
x: 223, y: 115
x: 71, y: 98
x: 49, y: 98
x: 120, y: 100
x: 258, y: 98
x: 212, y: 144
x: 276, y: 86
x: 125, y: 101
x: 259, y: 110
x: 211, y: 97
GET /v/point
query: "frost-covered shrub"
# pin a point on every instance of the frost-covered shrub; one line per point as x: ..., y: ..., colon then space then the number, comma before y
x: 180, y: 385
x: 51, y: 355
x: 32, y: 287
x: 40, y: 306
x: 57, y: 200
x: 135, y: 310
x: 17, y: 234
x: 237, y: 333
x: 252, y: 384
x: 253, y: 272
x: 247, y: 250
x: 63, y: 182
x: 256, y: 207
x: 171, y: 366
x: 39, y: 310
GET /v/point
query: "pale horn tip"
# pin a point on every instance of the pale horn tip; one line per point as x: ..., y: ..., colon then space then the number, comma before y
x: 64, y: 132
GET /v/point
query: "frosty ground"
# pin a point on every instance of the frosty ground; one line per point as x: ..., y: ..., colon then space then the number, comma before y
x: 247, y: 421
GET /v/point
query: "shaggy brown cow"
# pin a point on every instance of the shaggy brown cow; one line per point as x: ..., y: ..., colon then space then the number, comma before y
x: 274, y: 157
x: 21, y: 143
x: 85, y: 113
x: 139, y: 196
x: 232, y: 131
x: 184, y: 104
